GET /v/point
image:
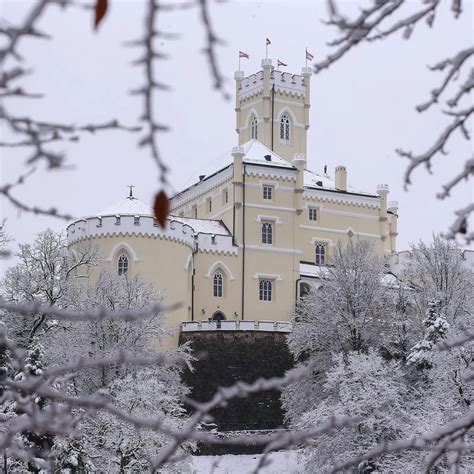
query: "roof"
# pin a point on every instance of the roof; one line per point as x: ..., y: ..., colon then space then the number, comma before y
x: 130, y: 206
x: 256, y: 151
x: 312, y: 270
x: 205, y: 226
x: 312, y: 179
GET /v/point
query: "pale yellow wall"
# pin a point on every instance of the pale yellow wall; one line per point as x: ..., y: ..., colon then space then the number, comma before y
x: 161, y: 262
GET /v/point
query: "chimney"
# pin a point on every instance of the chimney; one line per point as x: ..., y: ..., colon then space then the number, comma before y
x: 201, y: 177
x: 341, y: 178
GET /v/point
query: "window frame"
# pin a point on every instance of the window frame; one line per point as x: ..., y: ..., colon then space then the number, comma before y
x: 285, y: 128
x: 254, y: 127
x: 314, y: 210
x: 123, y: 264
x: 265, y: 289
x: 218, y: 284
x: 320, y: 258
x: 267, y: 190
x: 267, y: 233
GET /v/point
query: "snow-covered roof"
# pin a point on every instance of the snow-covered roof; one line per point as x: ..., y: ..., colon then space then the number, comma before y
x: 324, y: 181
x: 130, y: 206
x: 256, y: 151
x: 205, y: 226
x: 313, y: 271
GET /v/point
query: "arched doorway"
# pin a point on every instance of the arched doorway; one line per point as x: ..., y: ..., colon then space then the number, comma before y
x: 218, y: 316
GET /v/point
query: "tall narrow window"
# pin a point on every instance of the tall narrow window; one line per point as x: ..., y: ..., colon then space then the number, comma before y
x: 265, y: 290
x: 320, y: 253
x: 122, y: 264
x: 209, y: 205
x: 285, y: 128
x: 217, y: 285
x: 253, y: 127
x: 267, y: 233
x: 267, y: 192
x: 195, y: 211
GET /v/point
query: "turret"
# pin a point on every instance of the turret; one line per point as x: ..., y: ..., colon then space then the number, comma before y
x: 299, y: 162
x: 393, y: 210
x: 238, y: 154
x: 382, y: 191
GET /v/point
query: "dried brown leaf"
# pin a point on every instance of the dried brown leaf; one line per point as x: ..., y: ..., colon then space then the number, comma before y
x: 161, y: 208
x: 100, y: 11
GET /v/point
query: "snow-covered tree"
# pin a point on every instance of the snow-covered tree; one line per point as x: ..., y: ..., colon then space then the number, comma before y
x: 46, y: 273
x: 362, y: 385
x: 435, y: 271
x: 345, y: 313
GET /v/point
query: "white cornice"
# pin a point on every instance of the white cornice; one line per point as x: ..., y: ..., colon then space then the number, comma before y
x: 270, y: 172
x: 338, y: 231
x: 270, y: 249
x: 342, y: 198
x: 202, y: 187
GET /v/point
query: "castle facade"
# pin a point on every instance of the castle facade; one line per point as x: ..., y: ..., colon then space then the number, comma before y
x: 242, y: 244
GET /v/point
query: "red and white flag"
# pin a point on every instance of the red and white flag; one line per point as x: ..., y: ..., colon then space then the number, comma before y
x: 281, y: 63
x: 243, y: 55
x: 309, y: 56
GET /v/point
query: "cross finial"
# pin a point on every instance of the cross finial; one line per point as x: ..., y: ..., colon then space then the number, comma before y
x: 131, y: 186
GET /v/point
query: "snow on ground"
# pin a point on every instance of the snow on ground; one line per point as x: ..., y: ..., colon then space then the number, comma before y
x: 282, y: 462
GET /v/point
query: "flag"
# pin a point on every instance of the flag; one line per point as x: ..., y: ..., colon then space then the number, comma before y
x: 268, y: 42
x: 309, y: 55
x: 281, y: 63
x: 243, y: 55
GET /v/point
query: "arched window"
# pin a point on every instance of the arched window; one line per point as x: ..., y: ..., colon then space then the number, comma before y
x: 122, y: 264
x: 320, y: 254
x: 285, y: 128
x: 265, y: 288
x: 217, y: 286
x: 267, y: 233
x: 253, y: 127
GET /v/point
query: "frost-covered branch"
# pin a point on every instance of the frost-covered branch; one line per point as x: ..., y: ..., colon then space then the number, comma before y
x: 384, y: 18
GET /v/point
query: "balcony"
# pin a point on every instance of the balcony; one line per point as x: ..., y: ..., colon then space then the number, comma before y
x: 268, y: 326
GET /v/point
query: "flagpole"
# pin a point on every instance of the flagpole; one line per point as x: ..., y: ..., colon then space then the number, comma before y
x: 239, y: 60
x: 306, y: 55
x: 266, y: 49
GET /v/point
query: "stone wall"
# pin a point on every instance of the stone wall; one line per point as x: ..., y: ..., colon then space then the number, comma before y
x: 229, y: 356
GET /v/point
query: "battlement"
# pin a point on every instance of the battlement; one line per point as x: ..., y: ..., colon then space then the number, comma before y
x: 284, y: 82
x: 267, y: 326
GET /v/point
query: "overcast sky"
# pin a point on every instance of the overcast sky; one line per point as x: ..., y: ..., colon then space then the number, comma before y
x: 362, y: 109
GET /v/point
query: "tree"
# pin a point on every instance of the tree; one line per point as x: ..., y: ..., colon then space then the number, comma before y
x: 345, y: 312
x: 46, y: 273
x: 377, y: 20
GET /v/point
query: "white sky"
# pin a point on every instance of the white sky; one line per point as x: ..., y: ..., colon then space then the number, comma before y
x: 362, y: 109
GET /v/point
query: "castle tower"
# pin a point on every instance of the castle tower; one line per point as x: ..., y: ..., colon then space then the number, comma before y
x: 273, y: 107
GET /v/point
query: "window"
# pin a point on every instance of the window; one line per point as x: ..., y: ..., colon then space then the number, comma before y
x: 136, y: 220
x: 320, y: 254
x: 265, y: 290
x: 122, y: 265
x: 304, y: 289
x: 313, y: 214
x: 267, y: 192
x: 209, y: 205
x: 225, y: 196
x: 285, y: 128
x: 217, y: 285
x: 267, y: 233
x: 195, y: 211
x: 253, y: 127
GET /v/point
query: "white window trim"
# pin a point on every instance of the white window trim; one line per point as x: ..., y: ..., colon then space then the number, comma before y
x: 272, y: 192
x: 213, y: 284
x: 272, y: 228
x: 122, y: 247
x: 272, y: 291
x: 216, y: 265
x: 266, y: 276
x: 272, y: 219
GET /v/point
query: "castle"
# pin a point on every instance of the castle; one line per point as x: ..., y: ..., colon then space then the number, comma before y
x: 242, y: 244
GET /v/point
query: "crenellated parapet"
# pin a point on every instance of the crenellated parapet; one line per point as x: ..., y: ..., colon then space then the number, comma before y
x: 128, y: 225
